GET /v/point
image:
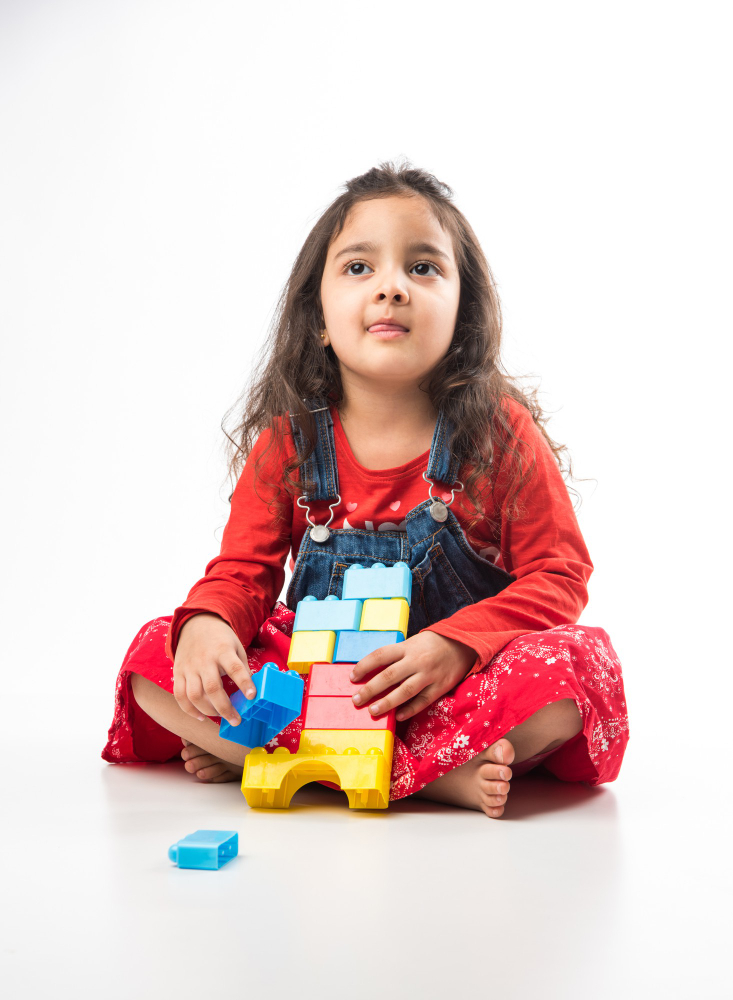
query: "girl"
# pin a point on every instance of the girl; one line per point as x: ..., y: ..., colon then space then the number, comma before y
x: 379, y: 427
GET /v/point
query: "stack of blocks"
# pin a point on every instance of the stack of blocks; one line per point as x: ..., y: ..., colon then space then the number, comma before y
x: 339, y: 743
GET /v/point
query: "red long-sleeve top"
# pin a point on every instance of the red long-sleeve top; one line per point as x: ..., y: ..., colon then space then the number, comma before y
x: 544, y: 550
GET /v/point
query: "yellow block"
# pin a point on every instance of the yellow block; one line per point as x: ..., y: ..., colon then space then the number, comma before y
x: 341, y: 740
x: 385, y: 614
x: 270, y: 780
x: 307, y: 648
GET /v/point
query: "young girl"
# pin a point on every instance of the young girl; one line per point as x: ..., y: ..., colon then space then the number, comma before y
x: 379, y: 427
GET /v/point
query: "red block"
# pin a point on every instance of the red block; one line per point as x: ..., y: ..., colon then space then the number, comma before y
x: 342, y: 713
x: 331, y: 680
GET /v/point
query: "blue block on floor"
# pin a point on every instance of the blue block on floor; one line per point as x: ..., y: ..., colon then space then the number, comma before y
x: 209, y: 849
x: 278, y: 701
x: 377, y: 581
x: 353, y: 646
x: 330, y: 615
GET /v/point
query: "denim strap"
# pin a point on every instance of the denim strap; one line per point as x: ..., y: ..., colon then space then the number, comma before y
x: 321, y: 466
x: 442, y: 465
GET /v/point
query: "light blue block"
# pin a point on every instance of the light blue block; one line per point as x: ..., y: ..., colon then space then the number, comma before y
x: 209, y: 849
x: 331, y: 615
x: 377, y: 581
x: 278, y: 701
x: 353, y: 646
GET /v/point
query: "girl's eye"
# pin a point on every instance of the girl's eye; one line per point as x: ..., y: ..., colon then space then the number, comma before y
x: 361, y: 263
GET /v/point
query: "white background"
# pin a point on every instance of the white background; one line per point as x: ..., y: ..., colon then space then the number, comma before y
x: 162, y: 164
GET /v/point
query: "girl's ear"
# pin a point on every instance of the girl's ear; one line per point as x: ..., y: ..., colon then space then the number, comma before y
x: 324, y: 338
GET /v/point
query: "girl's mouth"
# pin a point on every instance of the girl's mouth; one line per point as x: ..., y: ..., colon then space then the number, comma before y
x: 383, y: 332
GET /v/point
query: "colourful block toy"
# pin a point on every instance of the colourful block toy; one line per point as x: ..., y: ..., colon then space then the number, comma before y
x: 331, y: 614
x: 354, y: 646
x: 271, y: 780
x: 340, y: 743
x: 382, y: 614
x: 278, y: 701
x: 378, y: 581
x: 311, y: 647
x: 342, y: 713
x: 209, y: 849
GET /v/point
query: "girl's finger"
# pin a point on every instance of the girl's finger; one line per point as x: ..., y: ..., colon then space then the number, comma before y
x: 197, y: 696
x: 387, y: 678
x: 416, y: 705
x: 218, y: 697
x: 381, y: 657
x: 239, y: 673
x: 184, y: 702
x: 407, y: 690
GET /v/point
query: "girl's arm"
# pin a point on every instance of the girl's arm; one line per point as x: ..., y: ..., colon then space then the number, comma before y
x: 243, y: 582
x: 546, y: 554
x: 544, y: 551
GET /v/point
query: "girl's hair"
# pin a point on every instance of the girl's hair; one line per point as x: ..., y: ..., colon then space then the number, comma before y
x: 469, y: 382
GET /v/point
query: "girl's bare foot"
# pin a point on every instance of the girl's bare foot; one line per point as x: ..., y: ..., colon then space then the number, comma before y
x: 207, y: 767
x: 482, y: 783
x: 493, y: 776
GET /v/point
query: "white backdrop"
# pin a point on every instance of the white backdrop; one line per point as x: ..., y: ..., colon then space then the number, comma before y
x: 162, y: 163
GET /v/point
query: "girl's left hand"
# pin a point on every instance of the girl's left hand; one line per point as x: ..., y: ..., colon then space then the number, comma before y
x: 424, y: 667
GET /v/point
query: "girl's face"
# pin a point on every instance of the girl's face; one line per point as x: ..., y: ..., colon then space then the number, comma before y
x: 391, y: 259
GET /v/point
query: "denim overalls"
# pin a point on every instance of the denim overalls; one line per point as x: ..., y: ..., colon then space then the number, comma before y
x: 447, y: 574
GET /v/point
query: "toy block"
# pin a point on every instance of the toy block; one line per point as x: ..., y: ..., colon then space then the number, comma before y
x: 278, y: 701
x: 270, y: 780
x: 206, y: 849
x: 331, y: 680
x: 377, y: 581
x: 342, y: 713
x: 385, y: 614
x: 354, y: 646
x: 307, y: 648
x: 331, y: 614
x: 342, y: 740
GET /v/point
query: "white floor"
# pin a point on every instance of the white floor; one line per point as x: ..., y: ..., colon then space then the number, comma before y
x: 601, y: 893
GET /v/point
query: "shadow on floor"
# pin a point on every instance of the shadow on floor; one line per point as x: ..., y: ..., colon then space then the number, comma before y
x: 534, y: 794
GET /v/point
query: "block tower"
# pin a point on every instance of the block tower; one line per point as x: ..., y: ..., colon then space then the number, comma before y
x: 339, y: 743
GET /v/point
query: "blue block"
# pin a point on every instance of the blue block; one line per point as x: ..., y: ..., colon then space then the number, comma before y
x: 353, y: 646
x: 278, y: 701
x: 377, y: 581
x: 208, y: 849
x: 332, y: 615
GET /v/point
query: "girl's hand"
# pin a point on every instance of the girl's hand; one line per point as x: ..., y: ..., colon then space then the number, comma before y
x: 207, y: 649
x: 424, y: 667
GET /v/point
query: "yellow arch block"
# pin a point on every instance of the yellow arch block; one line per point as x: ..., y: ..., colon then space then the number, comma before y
x: 270, y: 780
x: 385, y: 614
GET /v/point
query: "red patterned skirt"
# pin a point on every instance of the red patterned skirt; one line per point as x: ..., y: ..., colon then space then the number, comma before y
x: 568, y: 661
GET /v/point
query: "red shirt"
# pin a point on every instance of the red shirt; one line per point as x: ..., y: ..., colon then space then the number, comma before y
x: 544, y: 550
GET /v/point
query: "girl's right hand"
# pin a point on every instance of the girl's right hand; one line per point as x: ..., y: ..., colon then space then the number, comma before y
x: 207, y: 649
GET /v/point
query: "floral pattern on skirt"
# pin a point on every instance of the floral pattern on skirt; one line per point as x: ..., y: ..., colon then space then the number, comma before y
x: 568, y: 661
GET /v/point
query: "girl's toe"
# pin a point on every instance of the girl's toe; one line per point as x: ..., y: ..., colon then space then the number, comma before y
x: 494, y: 772
x: 491, y: 807
x: 495, y: 787
x: 502, y: 751
x: 211, y: 767
x: 200, y: 762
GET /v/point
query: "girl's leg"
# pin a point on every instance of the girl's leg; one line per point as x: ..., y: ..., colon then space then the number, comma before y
x: 223, y: 760
x: 483, y: 782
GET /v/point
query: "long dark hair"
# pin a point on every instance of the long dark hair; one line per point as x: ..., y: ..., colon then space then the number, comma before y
x: 469, y: 383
